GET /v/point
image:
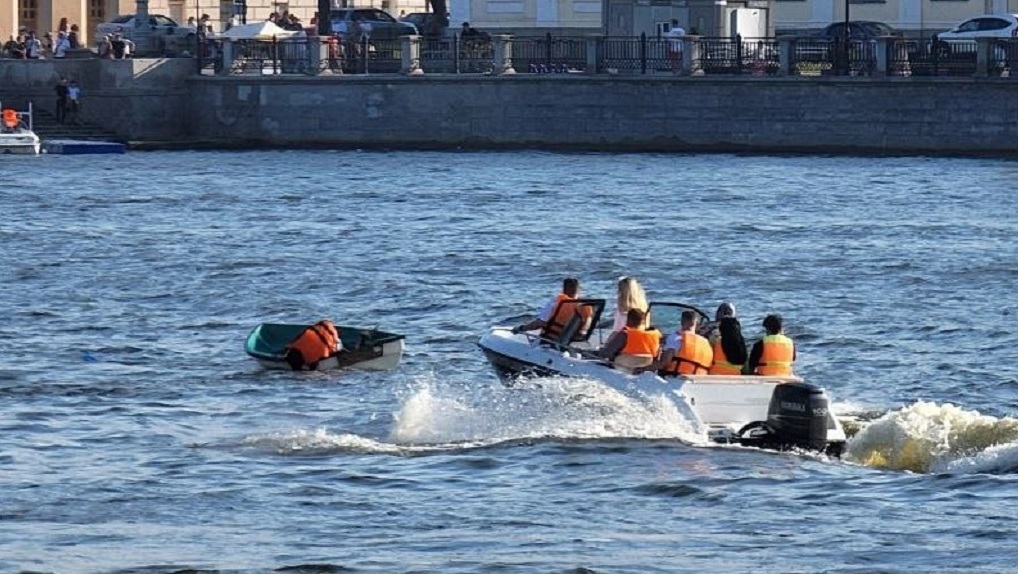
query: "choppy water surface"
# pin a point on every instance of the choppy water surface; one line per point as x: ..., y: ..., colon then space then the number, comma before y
x: 137, y: 436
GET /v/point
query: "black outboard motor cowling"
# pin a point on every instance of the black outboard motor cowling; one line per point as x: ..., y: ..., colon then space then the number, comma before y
x: 797, y: 417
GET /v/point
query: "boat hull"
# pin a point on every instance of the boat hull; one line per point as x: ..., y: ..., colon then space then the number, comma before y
x: 28, y: 148
x: 725, y: 406
x: 363, y: 349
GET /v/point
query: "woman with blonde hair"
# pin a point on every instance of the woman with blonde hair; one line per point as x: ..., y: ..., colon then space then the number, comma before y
x: 630, y: 296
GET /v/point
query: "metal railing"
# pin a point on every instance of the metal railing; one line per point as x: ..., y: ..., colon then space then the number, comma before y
x: 787, y: 56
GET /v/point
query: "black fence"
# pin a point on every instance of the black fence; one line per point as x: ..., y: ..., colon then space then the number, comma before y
x: 621, y: 55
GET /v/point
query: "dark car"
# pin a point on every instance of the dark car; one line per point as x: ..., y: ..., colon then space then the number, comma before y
x: 825, y: 45
x: 427, y: 23
x: 858, y: 30
x: 374, y: 23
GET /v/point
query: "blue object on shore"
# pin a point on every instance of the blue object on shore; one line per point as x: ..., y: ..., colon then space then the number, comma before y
x: 81, y: 147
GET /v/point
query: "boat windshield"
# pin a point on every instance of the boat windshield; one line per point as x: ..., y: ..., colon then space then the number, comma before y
x: 666, y: 317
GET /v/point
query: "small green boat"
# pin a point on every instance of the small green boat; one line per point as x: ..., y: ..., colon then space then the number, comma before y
x: 364, y: 349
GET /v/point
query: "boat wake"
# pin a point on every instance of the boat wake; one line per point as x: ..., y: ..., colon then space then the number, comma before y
x: 434, y: 417
x: 542, y: 408
x: 930, y: 438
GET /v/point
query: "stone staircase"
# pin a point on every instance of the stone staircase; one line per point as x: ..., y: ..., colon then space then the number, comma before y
x: 46, y: 126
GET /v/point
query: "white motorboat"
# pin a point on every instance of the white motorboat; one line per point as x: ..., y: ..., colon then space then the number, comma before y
x: 768, y: 412
x: 16, y: 135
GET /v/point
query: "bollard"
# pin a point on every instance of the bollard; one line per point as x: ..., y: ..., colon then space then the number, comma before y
x: 786, y: 55
x: 691, y: 61
x: 592, y: 59
x: 318, y: 53
x: 502, y: 60
x: 227, y: 67
x: 984, y: 50
x: 411, y: 56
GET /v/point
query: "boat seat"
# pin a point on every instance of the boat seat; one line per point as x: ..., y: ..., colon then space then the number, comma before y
x: 570, y: 331
x: 628, y: 363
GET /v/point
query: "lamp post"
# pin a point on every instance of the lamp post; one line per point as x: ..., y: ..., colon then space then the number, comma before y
x: 324, y: 18
x: 846, y: 63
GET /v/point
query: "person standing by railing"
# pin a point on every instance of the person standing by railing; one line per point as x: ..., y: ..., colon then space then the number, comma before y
x: 335, y: 45
x: 675, y: 37
x: 61, y: 46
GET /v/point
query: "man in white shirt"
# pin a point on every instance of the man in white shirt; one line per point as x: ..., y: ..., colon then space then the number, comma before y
x: 33, y: 47
x: 675, y: 35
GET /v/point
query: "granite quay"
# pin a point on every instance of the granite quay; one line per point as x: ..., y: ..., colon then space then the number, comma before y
x: 167, y: 103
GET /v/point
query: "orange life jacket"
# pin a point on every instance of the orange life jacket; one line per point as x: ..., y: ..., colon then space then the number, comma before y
x: 561, y: 315
x: 721, y: 365
x: 11, y: 118
x: 317, y: 342
x: 694, y: 358
x: 641, y: 342
x: 777, y: 356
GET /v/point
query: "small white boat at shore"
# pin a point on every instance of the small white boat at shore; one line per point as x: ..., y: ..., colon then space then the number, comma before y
x: 16, y: 135
x: 768, y: 412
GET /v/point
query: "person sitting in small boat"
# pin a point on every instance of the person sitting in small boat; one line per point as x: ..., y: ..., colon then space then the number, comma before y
x: 727, y: 342
x: 630, y: 296
x: 317, y: 342
x: 685, y: 352
x: 11, y: 119
x: 556, y: 313
x: 634, y: 347
x: 774, y: 354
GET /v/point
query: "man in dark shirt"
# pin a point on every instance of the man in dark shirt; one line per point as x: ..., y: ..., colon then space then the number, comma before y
x: 61, y: 91
x: 15, y: 48
x: 118, y: 45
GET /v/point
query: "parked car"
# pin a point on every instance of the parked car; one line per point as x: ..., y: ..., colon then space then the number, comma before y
x: 158, y: 24
x: 858, y: 30
x: 375, y: 23
x: 862, y: 36
x: 427, y: 23
x: 962, y: 37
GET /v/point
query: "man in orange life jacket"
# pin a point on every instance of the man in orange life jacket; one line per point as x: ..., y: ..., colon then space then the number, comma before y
x: 774, y: 353
x: 555, y: 315
x: 633, y: 348
x: 317, y: 342
x: 685, y: 352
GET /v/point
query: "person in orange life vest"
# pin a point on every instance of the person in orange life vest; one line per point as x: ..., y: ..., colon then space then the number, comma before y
x: 685, y: 352
x: 634, y: 347
x: 774, y: 353
x: 554, y: 315
x: 727, y: 342
x: 317, y: 342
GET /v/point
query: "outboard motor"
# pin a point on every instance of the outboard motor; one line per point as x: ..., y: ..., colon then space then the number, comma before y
x: 797, y: 417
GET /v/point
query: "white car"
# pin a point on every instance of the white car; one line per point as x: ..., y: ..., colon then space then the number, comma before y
x: 158, y: 24
x: 1001, y: 26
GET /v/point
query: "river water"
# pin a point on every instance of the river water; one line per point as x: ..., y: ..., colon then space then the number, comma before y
x: 137, y: 436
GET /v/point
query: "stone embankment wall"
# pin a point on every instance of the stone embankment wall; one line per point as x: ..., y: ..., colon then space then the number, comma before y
x: 163, y: 101
x: 908, y: 115
x: 143, y: 99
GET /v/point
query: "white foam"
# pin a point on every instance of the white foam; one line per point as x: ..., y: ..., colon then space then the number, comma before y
x: 318, y: 441
x: 928, y: 437
x: 542, y: 408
